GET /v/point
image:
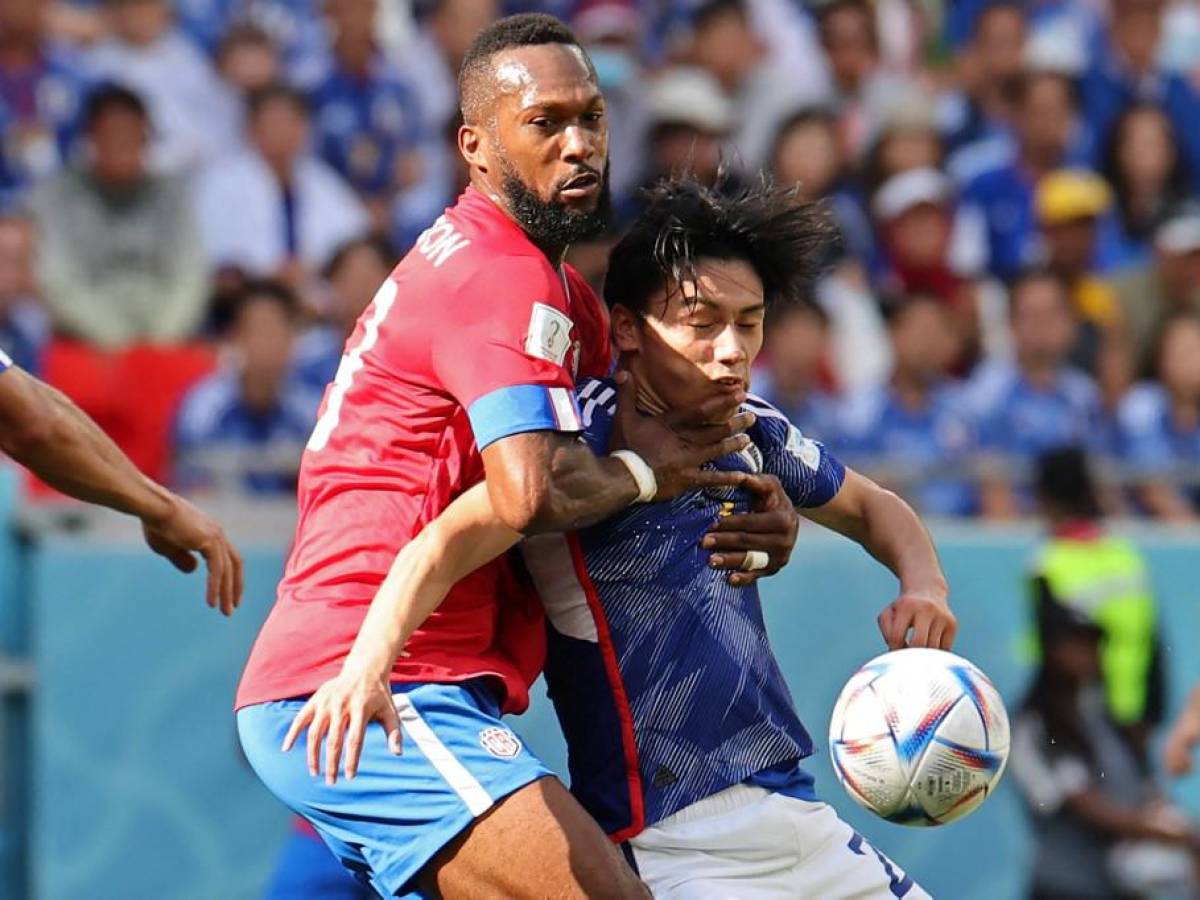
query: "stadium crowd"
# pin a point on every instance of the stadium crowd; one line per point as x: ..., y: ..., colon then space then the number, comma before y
x: 200, y: 196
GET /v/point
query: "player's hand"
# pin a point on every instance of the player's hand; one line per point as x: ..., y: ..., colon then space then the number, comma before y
x: 739, y: 541
x: 339, y: 713
x: 185, y: 531
x: 676, y: 452
x: 925, y: 614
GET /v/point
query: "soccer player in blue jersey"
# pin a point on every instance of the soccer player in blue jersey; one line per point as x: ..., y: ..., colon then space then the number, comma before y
x: 684, y: 741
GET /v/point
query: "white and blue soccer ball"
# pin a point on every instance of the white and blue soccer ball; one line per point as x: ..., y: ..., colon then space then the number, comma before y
x: 919, y: 737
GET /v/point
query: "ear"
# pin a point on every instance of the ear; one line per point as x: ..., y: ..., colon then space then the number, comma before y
x: 471, y: 144
x: 626, y: 329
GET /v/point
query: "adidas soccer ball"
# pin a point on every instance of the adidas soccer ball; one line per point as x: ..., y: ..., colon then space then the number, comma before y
x: 919, y: 737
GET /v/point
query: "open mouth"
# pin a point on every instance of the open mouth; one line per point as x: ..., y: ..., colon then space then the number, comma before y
x: 582, y: 185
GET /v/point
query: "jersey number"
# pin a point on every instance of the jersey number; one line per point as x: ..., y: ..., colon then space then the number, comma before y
x: 352, y: 361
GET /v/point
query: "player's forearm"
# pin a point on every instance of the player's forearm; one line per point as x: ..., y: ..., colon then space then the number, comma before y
x: 467, y: 535
x: 542, y: 482
x: 889, y: 530
x: 54, y: 439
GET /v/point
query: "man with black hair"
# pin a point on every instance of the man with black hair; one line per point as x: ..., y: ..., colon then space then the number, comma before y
x: 646, y: 637
x: 462, y: 371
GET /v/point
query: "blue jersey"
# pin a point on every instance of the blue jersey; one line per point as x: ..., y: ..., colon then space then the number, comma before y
x: 364, y: 124
x: 1149, y: 438
x: 660, y: 671
x: 1015, y: 419
x: 917, y: 443
x: 215, y: 430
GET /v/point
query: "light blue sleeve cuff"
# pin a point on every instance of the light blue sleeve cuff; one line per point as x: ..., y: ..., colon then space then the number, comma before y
x: 521, y: 408
x: 5, y: 362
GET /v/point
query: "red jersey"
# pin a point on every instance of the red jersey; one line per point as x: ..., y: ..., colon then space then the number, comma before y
x: 475, y: 336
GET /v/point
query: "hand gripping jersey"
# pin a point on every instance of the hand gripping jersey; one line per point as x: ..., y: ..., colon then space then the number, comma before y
x: 660, y: 670
x: 474, y: 337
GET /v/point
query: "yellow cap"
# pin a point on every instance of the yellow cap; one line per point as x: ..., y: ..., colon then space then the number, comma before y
x: 1071, y: 194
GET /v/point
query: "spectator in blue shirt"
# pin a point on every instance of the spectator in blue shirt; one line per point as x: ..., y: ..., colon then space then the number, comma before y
x: 1149, y: 175
x: 41, y: 93
x: 1001, y: 192
x: 244, y: 427
x: 24, y: 328
x: 353, y: 276
x: 789, y: 377
x: 1159, y: 425
x: 1124, y: 68
x: 367, y: 120
x: 1037, y: 402
x: 990, y: 66
x: 912, y: 433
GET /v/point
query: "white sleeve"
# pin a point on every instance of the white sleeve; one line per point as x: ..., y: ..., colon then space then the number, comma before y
x: 1047, y: 780
x: 5, y: 361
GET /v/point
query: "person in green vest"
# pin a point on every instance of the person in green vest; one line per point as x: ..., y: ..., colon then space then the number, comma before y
x: 1104, y: 578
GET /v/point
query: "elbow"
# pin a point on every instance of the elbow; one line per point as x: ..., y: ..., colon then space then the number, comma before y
x: 526, y: 507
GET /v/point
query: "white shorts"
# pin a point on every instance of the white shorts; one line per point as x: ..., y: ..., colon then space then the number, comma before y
x: 748, y: 843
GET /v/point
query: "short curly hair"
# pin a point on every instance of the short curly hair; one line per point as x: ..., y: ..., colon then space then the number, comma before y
x: 523, y: 30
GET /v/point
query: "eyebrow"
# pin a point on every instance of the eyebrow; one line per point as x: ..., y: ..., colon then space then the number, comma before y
x: 555, y: 105
x: 701, y: 300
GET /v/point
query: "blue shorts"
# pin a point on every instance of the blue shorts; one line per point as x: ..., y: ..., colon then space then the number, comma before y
x: 399, y: 811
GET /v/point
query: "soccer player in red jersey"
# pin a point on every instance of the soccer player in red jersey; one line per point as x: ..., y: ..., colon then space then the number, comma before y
x: 462, y: 370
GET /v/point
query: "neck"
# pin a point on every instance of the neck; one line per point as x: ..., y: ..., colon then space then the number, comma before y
x: 281, y: 169
x: 911, y: 391
x: 17, y: 53
x: 555, y: 252
x: 261, y: 391
x: 1185, y: 409
x: 355, y: 54
x: 1039, y: 373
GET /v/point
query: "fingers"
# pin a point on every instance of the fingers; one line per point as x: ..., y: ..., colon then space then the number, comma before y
x: 893, y: 627
x: 769, y: 492
x: 713, y: 409
x: 710, y: 452
x: 354, y: 741
x: 303, y: 718
x: 239, y: 579
x: 711, y: 478
x: 333, y: 746
x: 949, y: 633
x: 922, y: 624
x: 391, y: 723
x: 316, y: 733
x: 183, y: 560
x: 708, y: 433
x: 212, y: 585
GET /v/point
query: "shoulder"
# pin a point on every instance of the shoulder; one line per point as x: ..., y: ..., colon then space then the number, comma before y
x: 769, y: 420
x: 1079, y: 387
x: 597, y: 399
x: 205, y: 405
x: 1142, y: 408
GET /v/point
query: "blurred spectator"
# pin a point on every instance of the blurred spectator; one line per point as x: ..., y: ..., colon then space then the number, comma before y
x: 689, y: 118
x: 611, y: 32
x: 1036, y: 403
x: 790, y: 375
x: 148, y: 54
x: 761, y: 91
x: 851, y: 44
x: 274, y: 208
x: 355, y: 273
x: 1170, y: 283
x: 905, y: 138
x: 1072, y: 205
x: 999, y: 185
x: 367, y: 118
x: 1160, y: 425
x: 295, y: 26
x: 1101, y: 830
x: 244, y: 427
x: 445, y: 29
x: 982, y: 107
x: 915, y: 216
x: 912, y: 433
x: 806, y: 153
x: 119, y: 259
x: 1124, y: 68
x: 1104, y: 577
x: 40, y: 98
x: 23, y: 326
x: 247, y: 61
x: 1143, y: 165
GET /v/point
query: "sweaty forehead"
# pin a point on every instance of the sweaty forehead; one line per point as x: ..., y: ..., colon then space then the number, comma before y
x: 543, y: 74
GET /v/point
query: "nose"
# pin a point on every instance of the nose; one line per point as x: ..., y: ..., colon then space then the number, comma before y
x: 577, y: 145
x: 729, y: 349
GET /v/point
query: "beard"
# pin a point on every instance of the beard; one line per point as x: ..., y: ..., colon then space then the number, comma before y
x: 552, y: 222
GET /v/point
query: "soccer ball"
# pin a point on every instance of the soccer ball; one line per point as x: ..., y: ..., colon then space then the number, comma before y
x: 919, y: 737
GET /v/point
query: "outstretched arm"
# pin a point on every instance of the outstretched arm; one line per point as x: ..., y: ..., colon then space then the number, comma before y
x: 47, y: 433
x: 890, y: 530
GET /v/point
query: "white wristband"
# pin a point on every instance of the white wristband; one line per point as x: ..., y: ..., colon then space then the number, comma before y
x: 643, y: 475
